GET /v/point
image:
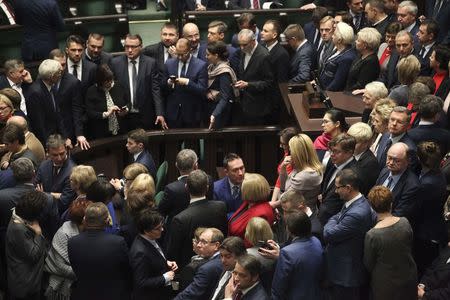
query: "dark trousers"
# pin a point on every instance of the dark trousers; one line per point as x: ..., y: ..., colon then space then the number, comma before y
x: 425, y: 251
x: 339, y: 292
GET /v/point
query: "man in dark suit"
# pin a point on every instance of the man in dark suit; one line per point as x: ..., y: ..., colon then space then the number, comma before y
x: 94, y: 50
x: 356, y: 11
x: 326, y: 46
x: 344, y: 235
x: 402, y: 182
x: 341, y: 148
x: 70, y: 102
x: 42, y: 107
x: 41, y: 20
x: 152, y: 272
x: 279, y: 59
x: 255, y: 80
x: 216, y: 32
x: 228, y: 189
x: 192, y: 34
x: 185, y: 95
x: 245, y: 283
x: 17, y: 78
x: 439, y: 10
x: 165, y: 49
x: 246, y: 4
x: 377, y: 16
x: 136, y: 146
x: 302, y: 63
x: 397, y: 127
x: 231, y: 249
x: 312, y: 28
x: 428, y: 130
x: 103, y: 272
x: 246, y: 21
x: 205, y: 278
x: 53, y: 175
x: 426, y: 35
x: 14, y: 141
x: 296, y: 278
x: 139, y: 75
x: 366, y: 162
x: 200, y: 213
x: 407, y: 16
x: 83, y: 70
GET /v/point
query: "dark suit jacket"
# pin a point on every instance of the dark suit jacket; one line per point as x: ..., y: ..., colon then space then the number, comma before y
x: 70, y: 103
x: 432, y: 133
x: 148, y: 95
x: 437, y: 277
x: 425, y: 69
x: 406, y: 194
x: 368, y: 169
x: 302, y: 63
x: 344, y: 235
x: 4, y: 83
x: 443, y: 19
x: 256, y: 293
x: 279, y: 58
x: 202, y: 213
x: 148, y: 267
x: 256, y: 99
x: 88, y: 74
x: 333, y: 75
x: 412, y: 150
x: 390, y: 78
x: 221, y: 107
x: 222, y: 192
x: 205, y: 279
x: 146, y: 159
x: 44, y: 119
x: 310, y: 32
x: 362, y: 71
x: 240, y: 4
x: 430, y: 224
x: 381, y: 27
x: 331, y: 202
x: 103, y: 272
x: 297, y: 278
x: 41, y: 19
x: 156, y: 51
x: 58, y: 184
x: 209, y: 4
x: 202, y: 51
x: 104, y: 58
x: 184, y: 103
x: 96, y: 105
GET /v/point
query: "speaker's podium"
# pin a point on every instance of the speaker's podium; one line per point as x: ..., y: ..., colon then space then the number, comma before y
x: 305, y: 106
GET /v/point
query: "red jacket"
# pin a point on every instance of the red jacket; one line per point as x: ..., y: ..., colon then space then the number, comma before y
x: 238, y: 221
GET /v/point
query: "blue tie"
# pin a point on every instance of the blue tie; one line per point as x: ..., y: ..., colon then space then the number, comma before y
x: 183, y: 71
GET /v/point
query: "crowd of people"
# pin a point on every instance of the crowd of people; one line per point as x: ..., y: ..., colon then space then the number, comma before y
x: 357, y: 213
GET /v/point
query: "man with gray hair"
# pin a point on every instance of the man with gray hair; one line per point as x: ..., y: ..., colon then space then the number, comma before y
x: 43, y: 110
x: 255, y: 82
x: 201, y: 212
x: 17, y: 78
x: 407, y: 16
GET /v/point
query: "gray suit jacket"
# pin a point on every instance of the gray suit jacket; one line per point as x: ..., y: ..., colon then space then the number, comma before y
x: 302, y: 64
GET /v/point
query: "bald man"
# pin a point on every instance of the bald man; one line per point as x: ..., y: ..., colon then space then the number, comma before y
x: 192, y: 34
x: 31, y: 140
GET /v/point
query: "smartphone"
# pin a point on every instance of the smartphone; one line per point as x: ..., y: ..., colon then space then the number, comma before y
x: 172, y: 77
x: 264, y: 244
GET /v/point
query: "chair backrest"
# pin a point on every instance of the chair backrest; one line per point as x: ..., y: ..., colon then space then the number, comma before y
x: 161, y: 176
x: 158, y: 197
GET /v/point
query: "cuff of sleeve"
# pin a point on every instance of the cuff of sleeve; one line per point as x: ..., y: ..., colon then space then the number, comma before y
x: 166, y: 279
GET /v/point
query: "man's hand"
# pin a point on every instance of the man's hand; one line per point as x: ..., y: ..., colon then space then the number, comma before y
x: 68, y: 144
x: 26, y: 77
x: 39, y: 187
x: 162, y: 121
x: 82, y: 142
x: 420, y: 291
x: 270, y: 253
x: 230, y: 288
x: 240, y: 84
x: 170, y: 275
x: 182, y: 81
x: 116, y: 183
x: 5, y: 165
x: 172, y: 51
x: 172, y: 265
x: 200, y: 7
x: 57, y: 196
x: 35, y: 227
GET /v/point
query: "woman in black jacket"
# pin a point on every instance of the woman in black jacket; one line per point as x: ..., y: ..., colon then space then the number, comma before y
x: 106, y: 105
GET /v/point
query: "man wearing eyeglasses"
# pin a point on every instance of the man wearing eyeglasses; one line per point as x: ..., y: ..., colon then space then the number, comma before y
x: 140, y: 77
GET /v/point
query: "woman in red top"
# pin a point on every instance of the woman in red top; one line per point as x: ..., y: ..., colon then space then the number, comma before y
x: 385, y: 49
x: 255, y: 195
x: 439, y: 63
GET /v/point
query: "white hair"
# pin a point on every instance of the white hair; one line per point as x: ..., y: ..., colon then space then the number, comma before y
x: 48, y: 68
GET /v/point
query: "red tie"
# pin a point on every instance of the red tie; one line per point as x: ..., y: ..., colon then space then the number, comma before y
x: 255, y: 4
x: 238, y: 295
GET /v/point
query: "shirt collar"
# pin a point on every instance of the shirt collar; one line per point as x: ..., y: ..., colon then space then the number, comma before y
x: 271, y: 46
x: 396, y: 139
x: 182, y: 176
x: 12, y: 84
x: 195, y: 199
x: 308, y: 211
x: 135, y: 156
x: 378, y: 22
x: 136, y: 59
x: 245, y: 291
x: 410, y: 27
x: 232, y: 184
x: 344, y: 164
x: 422, y: 122
x: 301, y: 44
x: 348, y: 203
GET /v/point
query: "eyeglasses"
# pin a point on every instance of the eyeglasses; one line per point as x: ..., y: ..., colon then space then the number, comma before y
x: 4, y: 107
x: 132, y: 46
x: 204, y: 242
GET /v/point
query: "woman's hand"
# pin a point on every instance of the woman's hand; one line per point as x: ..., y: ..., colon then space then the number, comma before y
x: 286, y: 161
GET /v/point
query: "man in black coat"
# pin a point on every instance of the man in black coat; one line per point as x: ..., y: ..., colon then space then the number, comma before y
x: 17, y: 78
x: 94, y: 50
x: 377, y: 16
x: 255, y: 81
x: 426, y: 36
x: 146, y: 105
x: 152, y: 272
x: 200, y: 213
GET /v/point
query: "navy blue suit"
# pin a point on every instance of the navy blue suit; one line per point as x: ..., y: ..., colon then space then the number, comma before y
x: 442, y: 18
x: 59, y: 183
x: 310, y: 32
x: 299, y: 271
x: 148, y: 95
x: 202, y: 51
x: 389, y: 77
x: 204, y: 282
x: 256, y: 293
x: 148, y: 267
x: 41, y: 19
x: 156, y: 51
x: 88, y: 73
x: 344, y: 235
x: 302, y: 63
x: 369, y: 169
x: 412, y: 150
x: 43, y: 115
x: 146, y: 159
x: 184, y: 103
x: 222, y: 192
x: 432, y: 133
x: 333, y: 75
x: 406, y: 194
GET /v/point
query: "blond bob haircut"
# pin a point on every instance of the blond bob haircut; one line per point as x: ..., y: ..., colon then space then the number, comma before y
x: 258, y: 229
x: 361, y: 132
x: 82, y: 177
x: 255, y: 188
x: 5, y: 100
x: 383, y: 108
x: 408, y: 68
x: 143, y: 183
x: 133, y: 170
x: 344, y: 33
x: 303, y: 154
x: 371, y: 37
x: 377, y: 89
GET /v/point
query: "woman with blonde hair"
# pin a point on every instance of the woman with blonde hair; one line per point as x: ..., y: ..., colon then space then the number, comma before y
x: 408, y: 69
x: 81, y: 178
x: 255, y: 193
x: 143, y: 183
x: 257, y: 233
x: 379, y: 118
x: 306, y: 175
